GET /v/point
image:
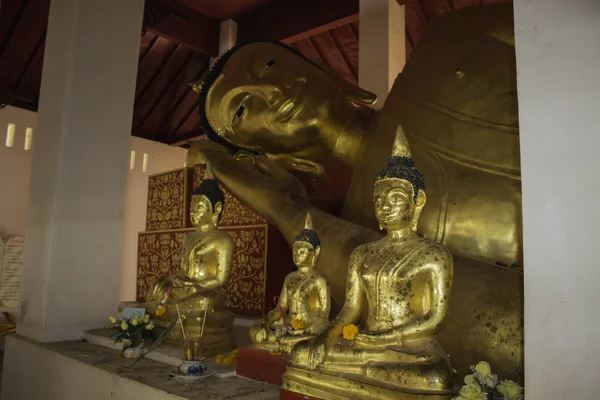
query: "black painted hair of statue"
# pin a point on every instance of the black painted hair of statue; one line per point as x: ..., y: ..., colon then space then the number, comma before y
x: 400, y: 167
x: 210, y: 188
x: 210, y: 78
x: 309, y: 236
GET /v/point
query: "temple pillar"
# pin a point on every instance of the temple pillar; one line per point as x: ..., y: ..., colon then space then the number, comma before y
x: 227, y: 38
x: 382, y: 46
x: 558, y: 79
x: 72, y: 258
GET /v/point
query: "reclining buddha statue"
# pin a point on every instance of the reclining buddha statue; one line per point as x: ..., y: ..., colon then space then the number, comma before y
x: 304, y: 304
x: 194, y: 290
x: 456, y: 101
x: 402, y: 284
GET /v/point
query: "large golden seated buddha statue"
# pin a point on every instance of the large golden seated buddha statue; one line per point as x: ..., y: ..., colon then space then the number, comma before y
x: 304, y: 304
x: 456, y: 100
x: 195, y: 290
x: 402, y: 285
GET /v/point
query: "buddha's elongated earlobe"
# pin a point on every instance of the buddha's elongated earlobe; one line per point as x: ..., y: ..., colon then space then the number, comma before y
x: 421, y: 200
x: 216, y: 213
x: 290, y: 163
x: 354, y: 93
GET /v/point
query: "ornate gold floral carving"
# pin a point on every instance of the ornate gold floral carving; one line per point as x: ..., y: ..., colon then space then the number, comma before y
x: 159, y: 254
x: 166, y: 201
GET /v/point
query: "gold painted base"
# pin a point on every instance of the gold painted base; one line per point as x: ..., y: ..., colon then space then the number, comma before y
x: 341, y: 386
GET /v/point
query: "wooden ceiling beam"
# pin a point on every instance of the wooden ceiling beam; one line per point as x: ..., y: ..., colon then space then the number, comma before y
x: 183, y: 26
x: 290, y: 19
x: 178, y: 140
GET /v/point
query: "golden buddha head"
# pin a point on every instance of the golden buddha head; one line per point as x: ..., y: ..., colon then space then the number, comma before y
x: 207, y: 201
x: 399, y: 189
x: 307, y: 245
x: 266, y: 97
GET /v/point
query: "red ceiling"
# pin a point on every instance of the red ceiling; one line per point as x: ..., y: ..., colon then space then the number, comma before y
x: 165, y: 106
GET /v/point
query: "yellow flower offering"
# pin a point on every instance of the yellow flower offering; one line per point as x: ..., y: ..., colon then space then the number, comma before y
x: 113, y: 320
x: 276, y: 353
x: 228, y: 361
x: 146, y: 318
x: 350, y: 331
x: 161, y: 310
x: 124, y: 325
x: 220, y: 359
x: 483, y: 368
x: 472, y: 391
x: 298, y: 324
x: 511, y: 390
x: 135, y: 322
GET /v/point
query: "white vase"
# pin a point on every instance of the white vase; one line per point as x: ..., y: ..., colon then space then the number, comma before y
x: 133, y: 352
x: 194, y: 367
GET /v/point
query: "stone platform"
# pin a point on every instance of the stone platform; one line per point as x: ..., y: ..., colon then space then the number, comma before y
x: 165, y: 354
x: 81, y: 370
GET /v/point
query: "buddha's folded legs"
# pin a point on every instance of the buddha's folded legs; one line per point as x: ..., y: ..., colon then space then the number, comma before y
x: 422, y: 366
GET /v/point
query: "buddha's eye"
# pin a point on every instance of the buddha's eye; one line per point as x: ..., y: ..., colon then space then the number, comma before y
x: 267, y: 67
x: 239, y: 112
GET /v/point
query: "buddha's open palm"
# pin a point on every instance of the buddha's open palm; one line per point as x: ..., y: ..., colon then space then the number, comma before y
x: 255, y: 180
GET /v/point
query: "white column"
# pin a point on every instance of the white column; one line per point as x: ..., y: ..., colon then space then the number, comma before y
x: 382, y: 46
x: 227, y: 38
x: 558, y: 54
x: 72, y: 260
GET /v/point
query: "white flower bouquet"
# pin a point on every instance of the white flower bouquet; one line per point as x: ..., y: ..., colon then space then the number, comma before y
x: 132, y: 331
x: 483, y: 385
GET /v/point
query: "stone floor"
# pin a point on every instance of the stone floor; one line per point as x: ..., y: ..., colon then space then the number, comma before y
x: 156, y: 374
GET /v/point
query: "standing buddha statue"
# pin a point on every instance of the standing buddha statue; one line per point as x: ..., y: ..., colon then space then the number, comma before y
x: 304, y: 304
x: 401, y: 285
x: 195, y: 290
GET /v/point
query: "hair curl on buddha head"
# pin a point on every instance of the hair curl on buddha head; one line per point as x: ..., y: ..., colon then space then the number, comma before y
x: 308, y: 234
x: 211, y: 190
x: 210, y: 78
x: 400, y: 167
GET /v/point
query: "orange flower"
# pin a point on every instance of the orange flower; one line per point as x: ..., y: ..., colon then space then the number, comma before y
x: 298, y: 324
x: 161, y: 310
x: 350, y: 331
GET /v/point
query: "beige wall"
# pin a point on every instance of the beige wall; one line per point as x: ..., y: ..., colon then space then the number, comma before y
x: 558, y: 76
x: 161, y: 158
x: 15, y: 170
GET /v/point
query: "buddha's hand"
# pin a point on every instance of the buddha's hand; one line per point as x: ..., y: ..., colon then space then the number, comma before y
x: 179, y: 282
x: 318, y: 351
x: 390, y: 338
x: 261, y: 334
x: 257, y: 181
x: 158, y: 289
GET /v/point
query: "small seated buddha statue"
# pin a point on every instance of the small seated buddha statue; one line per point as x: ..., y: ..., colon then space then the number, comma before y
x: 304, y: 303
x: 194, y: 291
x: 401, y: 286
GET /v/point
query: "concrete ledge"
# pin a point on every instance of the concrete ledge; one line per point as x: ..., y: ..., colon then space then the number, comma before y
x: 165, y: 354
x: 81, y: 370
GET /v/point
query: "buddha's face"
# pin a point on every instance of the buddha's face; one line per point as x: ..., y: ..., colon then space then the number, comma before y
x: 305, y: 255
x: 270, y: 100
x: 201, y: 211
x: 394, y: 204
